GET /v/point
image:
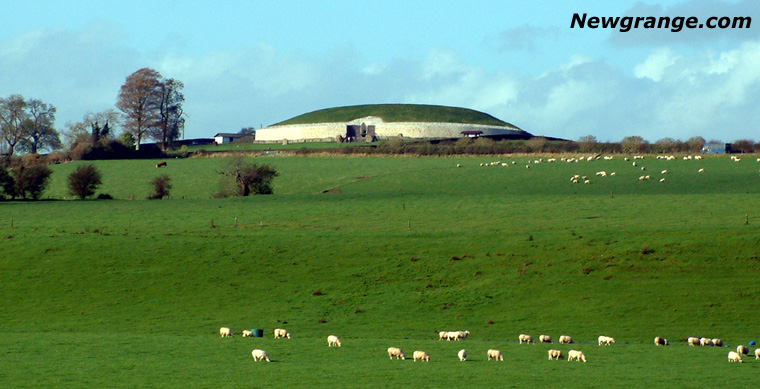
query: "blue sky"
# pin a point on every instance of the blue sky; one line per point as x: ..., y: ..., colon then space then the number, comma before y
x: 254, y: 63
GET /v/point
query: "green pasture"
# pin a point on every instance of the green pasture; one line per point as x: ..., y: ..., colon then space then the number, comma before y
x: 131, y: 293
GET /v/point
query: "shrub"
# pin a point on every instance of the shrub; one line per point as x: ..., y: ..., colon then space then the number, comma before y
x: 243, y: 179
x: 30, y: 177
x: 161, y: 187
x: 84, y: 181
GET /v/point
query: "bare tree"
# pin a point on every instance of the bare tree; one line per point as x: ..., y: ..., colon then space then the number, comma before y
x: 695, y: 143
x: 171, y: 117
x: 39, y: 133
x: 587, y: 142
x: 634, y: 144
x: 12, y: 117
x: 139, y: 99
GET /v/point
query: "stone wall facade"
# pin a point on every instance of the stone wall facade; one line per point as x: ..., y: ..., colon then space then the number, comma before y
x: 383, y: 130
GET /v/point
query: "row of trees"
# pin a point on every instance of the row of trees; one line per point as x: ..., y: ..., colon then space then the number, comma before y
x: 149, y: 107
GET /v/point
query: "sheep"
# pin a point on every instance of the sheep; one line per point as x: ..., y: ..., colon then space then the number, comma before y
x: 225, y: 332
x: 664, y: 172
x: 658, y: 341
x: 606, y: 340
x: 458, y: 165
x: 495, y: 354
x: 281, y: 333
x: 463, y: 334
x: 545, y: 339
x: 757, y: 353
x: 259, y: 355
x: 395, y: 352
x: 452, y: 335
x: 633, y: 164
x: 443, y: 335
x: 701, y: 171
x: 555, y: 354
x: 733, y: 356
x: 247, y: 333
x: 742, y: 349
x: 662, y: 179
x: 421, y: 355
x: 705, y: 342
x: 717, y: 343
x: 577, y: 355
x: 160, y: 164
x: 693, y: 341
x: 333, y: 340
x: 525, y: 339
x: 564, y: 339
x: 587, y: 182
x: 462, y: 354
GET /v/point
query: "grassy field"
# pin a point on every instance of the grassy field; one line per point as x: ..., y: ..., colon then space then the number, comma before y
x: 132, y: 292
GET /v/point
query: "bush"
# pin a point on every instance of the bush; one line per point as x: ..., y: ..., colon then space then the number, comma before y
x: 84, y: 181
x: 243, y: 179
x: 161, y: 187
x: 30, y: 178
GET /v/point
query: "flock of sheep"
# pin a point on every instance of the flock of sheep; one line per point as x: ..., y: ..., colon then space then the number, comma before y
x: 494, y: 354
x: 577, y: 178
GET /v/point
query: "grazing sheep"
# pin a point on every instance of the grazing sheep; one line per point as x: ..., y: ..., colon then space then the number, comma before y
x: 225, y: 332
x: 421, y: 355
x: 705, y: 342
x: 247, y: 333
x: 605, y: 340
x: 733, y: 356
x: 545, y: 339
x: 717, y: 343
x: 443, y: 335
x: 452, y: 335
x: 333, y: 340
x: 701, y: 171
x: 281, y: 333
x: 555, y: 354
x: 576, y: 355
x: 664, y: 172
x: 160, y: 164
x: 658, y: 341
x: 757, y: 353
x: 564, y: 339
x: 259, y: 355
x: 395, y: 352
x: 495, y: 354
x: 525, y: 339
x: 693, y: 341
x: 662, y: 179
x: 742, y: 349
x: 462, y: 354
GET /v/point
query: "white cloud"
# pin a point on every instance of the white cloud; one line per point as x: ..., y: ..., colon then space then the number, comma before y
x: 656, y: 64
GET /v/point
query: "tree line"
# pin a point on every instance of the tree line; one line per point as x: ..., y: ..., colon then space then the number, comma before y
x: 148, y: 106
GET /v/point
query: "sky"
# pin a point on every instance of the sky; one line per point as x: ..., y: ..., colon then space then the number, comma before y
x: 256, y: 63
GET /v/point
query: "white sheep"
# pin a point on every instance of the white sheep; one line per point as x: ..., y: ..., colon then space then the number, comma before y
x: 421, y: 355
x: 555, y: 354
x: 333, y: 340
x: 717, y: 343
x: 281, y: 333
x: 452, y: 335
x: 757, y: 353
x: 664, y: 172
x: 564, y: 339
x: 705, y: 342
x: 462, y: 354
x: 658, y: 341
x: 662, y: 179
x: 443, y: 335
x: 742, y: 349
x: 605, y: 340
x: 525, y: 339
x: 247, y: 333
x: 701, y: 171
x: 225, y: 332
x: 576, y: 355
x: 395, y: 352
x: 733, y: 356
x: 495, y: 354
x: 259, y: 355
x: 693, y: 341
x: 545, y: 339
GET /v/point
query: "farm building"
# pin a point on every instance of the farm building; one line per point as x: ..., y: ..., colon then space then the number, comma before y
x: 222, y: 138
x: 716, y: 148
x: 368, y: 123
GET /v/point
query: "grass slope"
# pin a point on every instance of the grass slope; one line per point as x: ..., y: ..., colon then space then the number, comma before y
x: 398, y: 113
x: 132, y: 293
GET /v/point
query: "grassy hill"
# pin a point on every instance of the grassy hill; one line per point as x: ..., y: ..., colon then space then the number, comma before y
x: 132, y: 293
x: 398, y: 113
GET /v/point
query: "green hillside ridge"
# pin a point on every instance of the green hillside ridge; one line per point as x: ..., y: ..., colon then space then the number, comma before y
x: 399, y: 113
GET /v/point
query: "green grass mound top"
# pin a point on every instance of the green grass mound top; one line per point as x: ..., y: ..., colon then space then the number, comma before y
x: 399, y: 113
